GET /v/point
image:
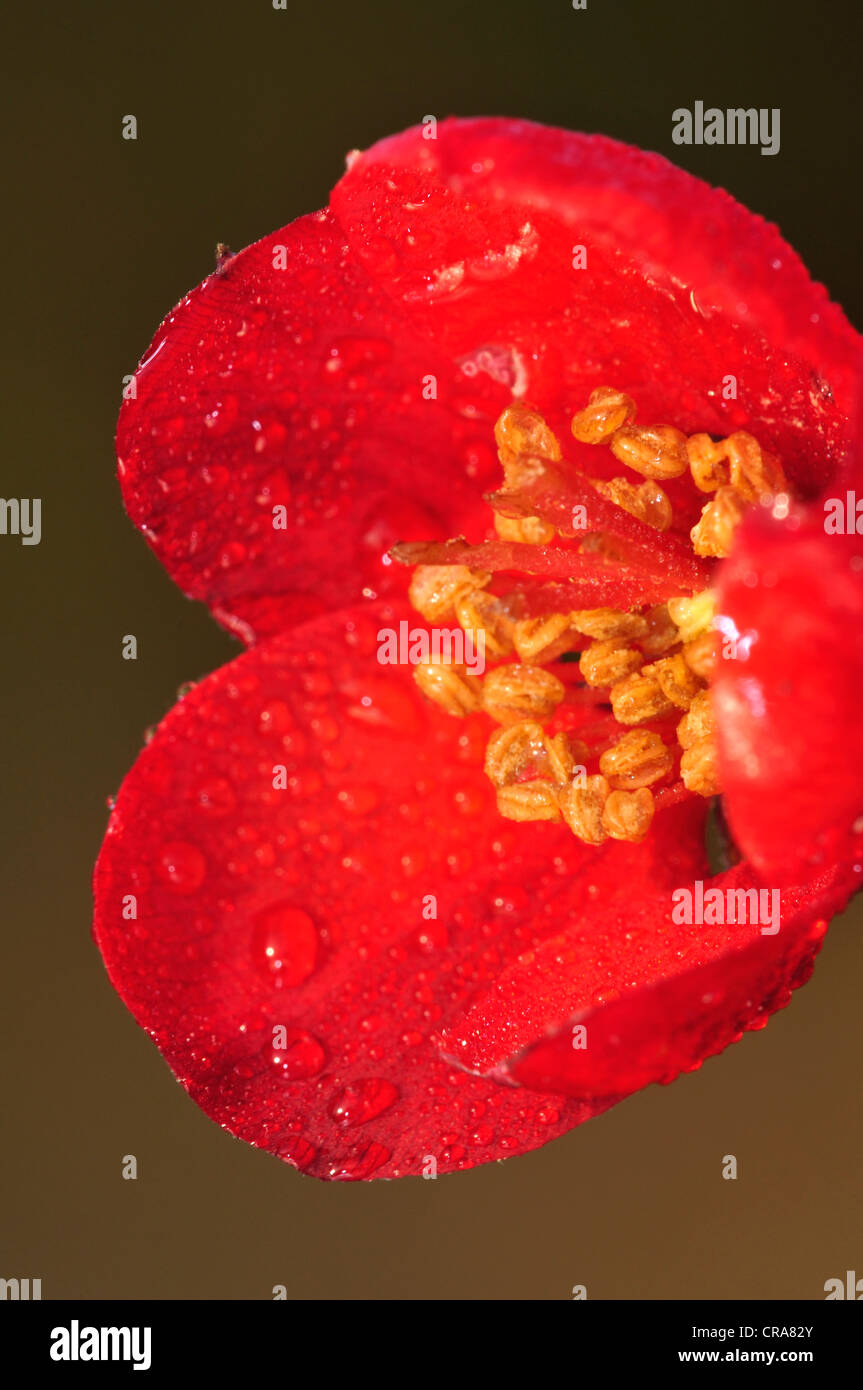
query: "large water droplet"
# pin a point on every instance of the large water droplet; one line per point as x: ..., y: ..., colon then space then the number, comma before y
x: 285, y: 944
x: 362, y: 1100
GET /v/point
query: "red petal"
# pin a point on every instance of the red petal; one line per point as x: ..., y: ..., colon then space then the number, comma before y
x: 298, y: 388
x: 303, y: 387
x: 653, y: 998
x: 386, y: 804
x: 682, y: 285
x: 788, y: 706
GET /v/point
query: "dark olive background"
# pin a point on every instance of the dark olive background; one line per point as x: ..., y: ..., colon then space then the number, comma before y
x: 245, y: 114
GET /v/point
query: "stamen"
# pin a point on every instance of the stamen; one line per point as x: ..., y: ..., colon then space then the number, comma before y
x: 696, y: 733
x: 511, y: 693
x: 607, y: 410
x: 702, y: 654
x: 639, y: 699
x: 676, y: 681
x: 582, y: 804
x: 706, y: 460
x: 638, y: 759
x: 661, y: 631
x: 478, y: 611
x: 451, y: 687
x: 606, y: 663
x: 754, y: 472
x: 515, y: 748
x: 628, y: 815
x: 656, y: 451
x: 435, y: 589
x: 528, y: 801
x: 739, y: 462
x: 692, y: 616
x: 646, y: 500
x: 605, y: 623
x: 699, y: 768
x: 539, y: 640
x: 714, y: 533
x: 698, y: 723
x: 521, y: 433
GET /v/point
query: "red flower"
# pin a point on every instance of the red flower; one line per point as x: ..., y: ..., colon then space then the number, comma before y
x: 307, y: 894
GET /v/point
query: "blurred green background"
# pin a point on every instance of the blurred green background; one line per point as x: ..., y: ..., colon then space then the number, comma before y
x: 245, y: 114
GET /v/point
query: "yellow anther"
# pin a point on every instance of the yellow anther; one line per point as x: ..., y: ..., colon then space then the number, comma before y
x: 714, y: 533
x: 676, y: 681
x: 699, y: 768
x: 451, y: 687
x: 529, y: 530
x: 528, y: 801
x: 606, y: 663
x: 513, y: 692
x: 692, y: 616
x: 638, y: 759
x: 478, y: 611
x: 512, y: 750
x: 698, y: 723
x: 582, y: 804
x: 707, y: 462
x: 656, y: 451
x: 738, y: 461
x: 606, y: 411
x: 605, y: 623
x: 646, y: 500
x: 435, y: 589
x: 639, y: 699
x: 702, y: 654
x: 628, y: 815
x: 538, y: 640
x: 752, y: 470
x: 661, y: 631
x: 561, y: 753
x: 519, y: 748
x: 521, y: 431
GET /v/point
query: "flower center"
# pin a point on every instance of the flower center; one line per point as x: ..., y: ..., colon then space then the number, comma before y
x: 556, y: 755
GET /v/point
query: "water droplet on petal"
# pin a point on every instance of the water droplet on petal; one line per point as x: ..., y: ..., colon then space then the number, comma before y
x: 182, y: 866
x: 285, y: 944
x: 360, y: 1164
x: 215, y: 795
x: 298, y: 1151
x: 362, y: 1100
x: 301, y: 1057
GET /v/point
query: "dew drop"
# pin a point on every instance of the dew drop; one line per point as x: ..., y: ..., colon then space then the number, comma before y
x: 181, y: 866
x: 298, y: 1152
x: 232, y: 554
x: 215, y: 795
x: 285, y: 944
x: 360, y: 1164
x: 301, y: 1057
x: 362, y: 1100
x: 275, y: 718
